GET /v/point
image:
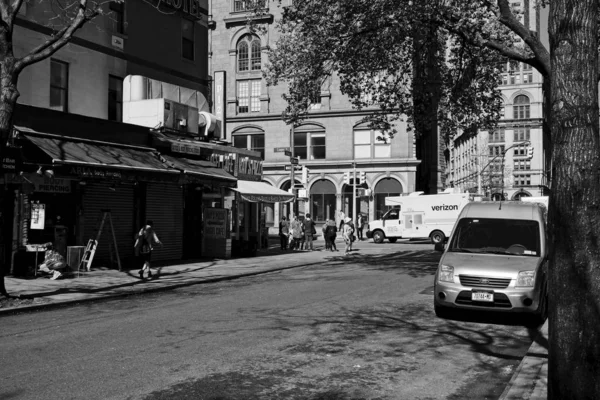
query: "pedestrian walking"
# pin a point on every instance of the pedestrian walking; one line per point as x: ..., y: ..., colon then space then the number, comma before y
x: 144, y: 244
x: 360, y: 224
x: 348, y: 232
x: 284, y: 232
x: 296, y: 233
x: 331, y: 233
x: 309, y: 231
x: 342, y: 217
x: 324, y: 232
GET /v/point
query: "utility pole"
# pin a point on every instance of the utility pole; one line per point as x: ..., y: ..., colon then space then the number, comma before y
x: 292, y: 179
x: 354, y: 193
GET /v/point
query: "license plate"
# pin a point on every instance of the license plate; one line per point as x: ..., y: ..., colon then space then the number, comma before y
x: 482, y: 296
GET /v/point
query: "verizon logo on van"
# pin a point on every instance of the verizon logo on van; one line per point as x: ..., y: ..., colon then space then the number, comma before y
x: 445, y: 207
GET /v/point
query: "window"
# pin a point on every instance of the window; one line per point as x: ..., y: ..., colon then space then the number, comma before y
x: 521, y: 134
x: 118, y: 16
x: 520, y: 151
x: 521, y: 107
x: 367, y: 144
x: 245, y: 5
x: 59, y: 85
x: 310, y: 145
x: 497, y: 136
x: 528, y: 77
x: 323, y: 201
x: 522, y: 180
x: 115, y: 98
x: 249, y: 96
x: 249, y: 54
x: 187, y: 39
x: 496, y: 150
x: 522, y: 164
x: 254, y: 142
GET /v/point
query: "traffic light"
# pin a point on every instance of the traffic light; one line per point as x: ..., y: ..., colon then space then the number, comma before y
x: 347, y: 178
x: 362, y: 177
x: 530, y: 151
x: 304, y: 175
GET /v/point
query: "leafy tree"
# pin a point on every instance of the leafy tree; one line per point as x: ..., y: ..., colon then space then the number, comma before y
x: 66, y: 18
x: 434, y: 62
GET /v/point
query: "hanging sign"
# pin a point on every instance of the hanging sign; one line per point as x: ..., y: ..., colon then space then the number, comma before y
x: 38, y: 215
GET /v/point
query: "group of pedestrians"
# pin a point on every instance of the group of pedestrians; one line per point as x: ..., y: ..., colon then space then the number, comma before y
x: 299, y: 235
x: 296, y: 234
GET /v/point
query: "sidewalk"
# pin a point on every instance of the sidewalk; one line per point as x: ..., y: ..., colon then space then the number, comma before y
x: 528, y: 382
x: 33, y: 293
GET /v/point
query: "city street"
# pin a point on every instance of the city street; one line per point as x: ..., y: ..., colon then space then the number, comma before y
x: 356, y: 327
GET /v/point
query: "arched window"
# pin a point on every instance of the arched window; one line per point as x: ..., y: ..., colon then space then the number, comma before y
x: 248, y: 54
x: 384, y: 188
x: 322, y: 201
x: 285, y: 209
x: 521, y: 107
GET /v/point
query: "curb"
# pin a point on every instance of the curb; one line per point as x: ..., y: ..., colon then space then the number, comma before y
x: 531, y: 376
x: 193, y: 281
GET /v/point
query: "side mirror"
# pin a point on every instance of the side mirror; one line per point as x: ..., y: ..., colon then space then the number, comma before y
x: 440, y: 247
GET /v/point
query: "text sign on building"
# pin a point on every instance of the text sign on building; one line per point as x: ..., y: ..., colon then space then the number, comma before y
x: 215, y: 223
x: 190, y: 7
x: 281, y: 149
x: 219, y: 102
x: 117, y: 42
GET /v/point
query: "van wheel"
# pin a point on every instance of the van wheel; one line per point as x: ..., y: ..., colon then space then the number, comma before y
x: 392, y: 240
x: 542, y: 312
x: 437, y: 237
x: 378, y: 237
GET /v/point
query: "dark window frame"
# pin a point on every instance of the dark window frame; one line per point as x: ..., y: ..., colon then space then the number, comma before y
x: 64, y: 87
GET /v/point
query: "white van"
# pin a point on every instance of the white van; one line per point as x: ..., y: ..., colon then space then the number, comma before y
x: 495, y: 260
x: 419, y: 215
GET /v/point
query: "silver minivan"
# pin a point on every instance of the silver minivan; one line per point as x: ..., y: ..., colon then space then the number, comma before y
x: 495, y: 259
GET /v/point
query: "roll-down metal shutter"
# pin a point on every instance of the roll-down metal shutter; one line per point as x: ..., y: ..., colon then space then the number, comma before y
x: 164, y: 206
x: 97, y: 197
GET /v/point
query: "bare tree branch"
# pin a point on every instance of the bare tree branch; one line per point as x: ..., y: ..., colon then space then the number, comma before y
x: 60, y: 39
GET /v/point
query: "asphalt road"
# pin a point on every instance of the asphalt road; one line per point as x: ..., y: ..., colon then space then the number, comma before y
x: 359, y: 327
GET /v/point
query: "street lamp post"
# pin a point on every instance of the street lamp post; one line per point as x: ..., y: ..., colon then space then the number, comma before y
x: 492, y: 160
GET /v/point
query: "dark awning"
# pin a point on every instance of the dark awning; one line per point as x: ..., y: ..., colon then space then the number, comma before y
x: 262, y: 192
x: 199, y: 168
x: 65, y: 150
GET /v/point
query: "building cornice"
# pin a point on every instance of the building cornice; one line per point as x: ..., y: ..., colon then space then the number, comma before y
x: 311, y: 115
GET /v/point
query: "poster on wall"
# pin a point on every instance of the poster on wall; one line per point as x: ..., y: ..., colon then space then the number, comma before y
x: 215, y: 223
x: 38, y: 215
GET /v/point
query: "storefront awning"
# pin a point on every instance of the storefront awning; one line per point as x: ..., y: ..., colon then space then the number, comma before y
x: 91, y: 153
x: 260, y: 191
x: 200, y: 168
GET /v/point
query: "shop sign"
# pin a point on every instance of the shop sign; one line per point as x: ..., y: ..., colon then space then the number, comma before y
x: 190, y: 7
x: 215, y: 223
x: 39, y: 183
x: 11, y: 160
x: 87, y: 172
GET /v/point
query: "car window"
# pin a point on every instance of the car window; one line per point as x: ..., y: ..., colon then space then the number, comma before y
x: 392, y: 214
x: 496, y: 236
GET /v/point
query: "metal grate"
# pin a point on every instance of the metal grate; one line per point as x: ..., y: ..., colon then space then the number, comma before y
x: 484, y: 281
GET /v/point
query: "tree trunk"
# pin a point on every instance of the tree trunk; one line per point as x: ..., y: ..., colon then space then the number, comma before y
x: 574, y: 271
x: 8, y: 100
